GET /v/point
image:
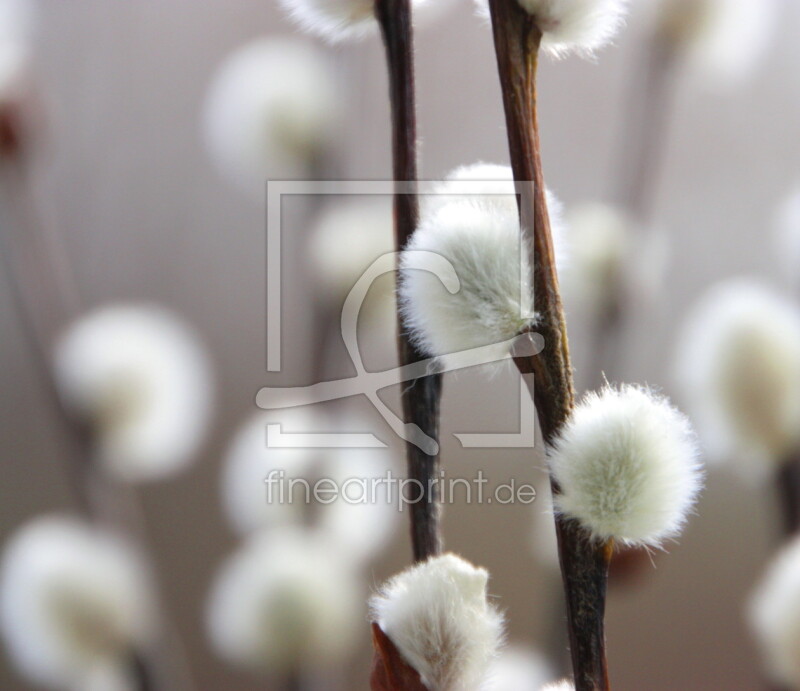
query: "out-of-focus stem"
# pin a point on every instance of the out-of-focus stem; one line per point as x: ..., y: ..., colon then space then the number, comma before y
x: 643, y: 138
x: 642, y: 144
x: 420, y: 397
x: 584, y: 562
x: 46, y: 302
x: 788, y: 487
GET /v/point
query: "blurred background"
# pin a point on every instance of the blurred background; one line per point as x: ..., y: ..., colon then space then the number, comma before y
x: 123, y: 173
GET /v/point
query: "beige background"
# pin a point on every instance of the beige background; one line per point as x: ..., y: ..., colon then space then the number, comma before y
x: 146, y: 216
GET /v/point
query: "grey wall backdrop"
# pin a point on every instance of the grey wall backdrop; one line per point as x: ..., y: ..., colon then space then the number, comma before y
x: 144, y: 215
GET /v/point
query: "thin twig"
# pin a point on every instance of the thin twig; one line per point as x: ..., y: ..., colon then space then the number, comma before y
x: 643, y: 137
x: 642, y: 146
x: 584, y: 562
x: 421, y: 397
x: 45, y: 303
x: 788, y: 487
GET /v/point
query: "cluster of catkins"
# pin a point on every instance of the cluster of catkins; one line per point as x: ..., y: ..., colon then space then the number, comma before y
x: 77, y: 598
x: 79, y: 605
x: 626, y: 461
x: 739, y: 365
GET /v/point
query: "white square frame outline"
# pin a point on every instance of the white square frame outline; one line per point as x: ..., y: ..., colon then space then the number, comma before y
x: 275, y: 191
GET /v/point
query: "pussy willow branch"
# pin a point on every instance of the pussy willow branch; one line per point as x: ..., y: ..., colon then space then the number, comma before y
x: 46, y: 303
x: 642, y: 143
x: 643, y: 137
x: 788, y: 487
x: 584, y: 562
x: 421, y: 397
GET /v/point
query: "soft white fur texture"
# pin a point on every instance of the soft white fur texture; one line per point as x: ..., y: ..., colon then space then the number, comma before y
x: 365, y: 516
x: 72, y: 598
x: 285, y: 600
x: 724, y: 39
x: 518, y: 668
x: 739, y: 364
x: 438, y: 616
x: 335, y: 20
x: 573, y: 26
x: 474, y: 224
x: 787, y: 237
x: 600, y: 245
x: 348, y: 237
x: 247, y: 464
x: 493, y: 184
x: 142, y: 379
x: 271, y: 108
x: 627, y: 465
x: 18, y: 20
x: 774, y: 613
x: 564, y: 685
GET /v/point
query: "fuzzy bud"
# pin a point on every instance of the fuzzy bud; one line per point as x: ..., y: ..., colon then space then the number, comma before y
x: 626, y: 462
x: 140, y: 378
x: 270, y: 113
x: 285, y: 601
x: 517, y: 668
x: 363, y: 518
x: 437, y: 615
x: 335, y: 20
x: 774, y: 613
x: 73, y: 600
x: 739, y: 363
x: 563, y: 685
x: 724, y: 39
x: 600, y: 243
x: 348, y: 238
x: 473, y: 225
x: 573, y: 26
x: 255, y: 478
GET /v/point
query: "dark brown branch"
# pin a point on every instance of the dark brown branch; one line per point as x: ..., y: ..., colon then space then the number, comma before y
x: 584, y: 562
x: 420, y: 397
x: 788, y: 487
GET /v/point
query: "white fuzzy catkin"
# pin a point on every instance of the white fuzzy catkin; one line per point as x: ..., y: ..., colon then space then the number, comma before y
x: 477, y: 230
x: 517, y: 668
x: 285, y: 601
x: 572, y: 26
x: 249, y: 502
x: 787, y: 237
x: 493, y: 184
x: 600, y: 239
x: 108, y: 676
x: 739, y: 364
x: 563, y: 685
x: 724, y: 39
x: 270, y: 111
x: 18, y: 19
x: 347, y: 239
x: 336, y: 20
x: 774, y: 614
x: 142, y: 379
x: 73, y: 599
x: 17, y: 24
x: 627, y: 465
x: 437, y: 615
x: 365, y: 515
